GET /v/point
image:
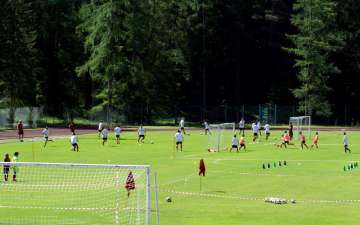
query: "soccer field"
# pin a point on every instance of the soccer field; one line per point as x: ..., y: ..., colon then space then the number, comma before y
x: 235, y: 185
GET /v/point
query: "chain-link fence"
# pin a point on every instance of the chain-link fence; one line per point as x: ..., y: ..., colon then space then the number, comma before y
x: 274, y: 114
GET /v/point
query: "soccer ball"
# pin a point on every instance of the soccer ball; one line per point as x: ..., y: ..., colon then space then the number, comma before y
x: 168, y: 199
x: 293, y: 201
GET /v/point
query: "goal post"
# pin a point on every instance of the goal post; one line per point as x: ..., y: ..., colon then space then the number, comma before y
x: 301, y: 124
x: 61, y: 193
x: 220, y: 137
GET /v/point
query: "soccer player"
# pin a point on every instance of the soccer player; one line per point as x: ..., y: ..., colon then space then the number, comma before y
x: 45, y: 134
x: 72, y: 127
x: 255, y: 130
x: 104, y: 135
x: 182, y: 126
x: 100, y: 128
x: 291, y: 133
x: 315, y: 141
x: 346, y: 143
x: 6, y: 167
x: 141, y: 133
x: 20, y: 128
x: 234, y: 144
x: 117, y: 131
x: 179, y: 140
x: 258, y: 124
x: 15, y: 168
x: 303, y: 140
x: 267, y: 131
x: 74, y: 142
x: 242, y: 142
x: 242, y: 126
x: 285, y: 139
x: 207, y: 128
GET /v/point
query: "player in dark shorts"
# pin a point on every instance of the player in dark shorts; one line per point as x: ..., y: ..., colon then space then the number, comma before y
x: 6, y: 167
x: 291, y: 134
x: 20, y: 128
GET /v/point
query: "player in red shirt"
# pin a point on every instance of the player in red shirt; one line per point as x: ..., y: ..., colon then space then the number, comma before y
x: 303, y: 141
x: 315, y: 141
x: 20, y: 128
x: 242, y: 142
x: 72, y: 127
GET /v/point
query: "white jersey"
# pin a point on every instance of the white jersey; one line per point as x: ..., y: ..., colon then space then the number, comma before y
x: 117, y: 130
x: 73, y: 139
x: 242, y: 124
x: 267, y: 128
x: 234, y: 141
x: 45, y: 133
x: 255, y: 128
x: 178, y: 137
x: 104, y: 133
x: 100, y: 126
x: 206, y: 125
x: 258, y: 125
x: 182, y: 123
x: 346, y: 140
x: 141, y: 131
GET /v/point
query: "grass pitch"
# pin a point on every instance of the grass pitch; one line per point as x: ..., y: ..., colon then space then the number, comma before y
x: 233, y: 191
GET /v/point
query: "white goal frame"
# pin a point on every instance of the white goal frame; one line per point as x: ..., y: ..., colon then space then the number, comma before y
x: 21, y: 165
x: 298, y: 125
x: 218, y: 129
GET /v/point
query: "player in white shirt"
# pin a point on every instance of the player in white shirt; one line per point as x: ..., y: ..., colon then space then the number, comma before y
x: 234, y: 144
x: 346, y: 143
x: 182, y: 126
x: 179, y: 140
x: 141, y: 133
x: 45, y: 134
x: 255, y: 130
x: 207, y: 128
x: 100, y: 128
x: 104, y: 135
x: 258, y: 124
x: 117, y: 131
x: 267, y: 131
x: 74, y: 142
x: 242, y: 126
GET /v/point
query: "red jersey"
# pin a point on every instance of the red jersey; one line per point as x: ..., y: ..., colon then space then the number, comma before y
x: 302, y: 138
x: 20, y: 126
x: 286, y: 137
x: 242, y: 141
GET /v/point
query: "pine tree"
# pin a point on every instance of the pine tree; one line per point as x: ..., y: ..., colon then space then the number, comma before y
x: 18, y: 55
x: 317, y: 37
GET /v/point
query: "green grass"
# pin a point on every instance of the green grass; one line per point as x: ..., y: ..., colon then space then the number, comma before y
x: 235, y: 183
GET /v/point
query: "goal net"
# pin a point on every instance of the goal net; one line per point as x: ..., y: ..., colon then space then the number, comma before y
x: 57, y: 193
x: 301, y: 123
x: 221, y: 135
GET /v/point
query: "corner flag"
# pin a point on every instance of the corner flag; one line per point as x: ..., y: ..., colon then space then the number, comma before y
x: 130, y: 183
x: 202, y: 168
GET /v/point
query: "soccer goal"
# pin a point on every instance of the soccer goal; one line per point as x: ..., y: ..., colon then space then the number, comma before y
x: 301, y: 123
x: 221, y: 135
x: 57, y: 193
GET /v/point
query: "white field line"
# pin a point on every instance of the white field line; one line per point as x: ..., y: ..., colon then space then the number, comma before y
x: 271, y: 160
x: 69, y: 208
x: 247, y: 198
